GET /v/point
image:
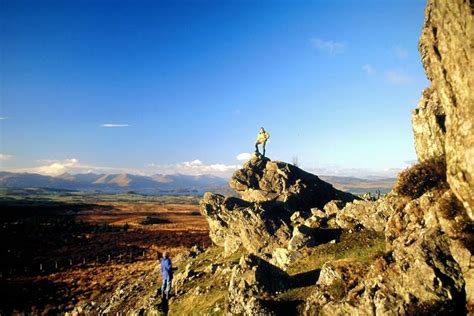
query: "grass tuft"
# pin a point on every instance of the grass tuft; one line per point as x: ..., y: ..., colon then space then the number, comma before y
x: 420, y: 178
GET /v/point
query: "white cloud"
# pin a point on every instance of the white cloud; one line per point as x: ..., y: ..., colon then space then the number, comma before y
x: 369, y: 70
x: 363, y: 173
x: 4, y: 157
x: 197, y: 167
x: 192, y: 163
x: 398, y: 77
x: 401, y: 53
x: 327, y: 46
x: 53, y: 167
x: 2, y: 118
x: 192, y: 167
x: 73, y: 165
x: 56, y: 168
x: 111, y: 125
x: 243, y: 156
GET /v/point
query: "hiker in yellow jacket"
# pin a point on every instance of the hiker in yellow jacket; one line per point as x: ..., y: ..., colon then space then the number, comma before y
x: 262, y: 138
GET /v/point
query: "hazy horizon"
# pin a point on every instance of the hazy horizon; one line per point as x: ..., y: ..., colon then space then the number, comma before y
x: 114, y: 87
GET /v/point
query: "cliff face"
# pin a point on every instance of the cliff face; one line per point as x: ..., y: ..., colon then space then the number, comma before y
x: 428, y: 267
x: 444, y: 121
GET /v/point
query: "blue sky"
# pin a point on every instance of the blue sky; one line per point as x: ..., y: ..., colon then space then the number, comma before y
x: 183, y: 86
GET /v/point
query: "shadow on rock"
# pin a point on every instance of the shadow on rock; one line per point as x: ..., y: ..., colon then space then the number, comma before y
x: 303, y: 279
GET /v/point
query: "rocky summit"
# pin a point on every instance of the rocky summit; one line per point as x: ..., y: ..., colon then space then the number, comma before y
x: 264, y: 221
x: 262, y: 180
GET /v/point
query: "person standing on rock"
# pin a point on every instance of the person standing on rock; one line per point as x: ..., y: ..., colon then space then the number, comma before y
x: 167, y: 275
x: 262, y: 138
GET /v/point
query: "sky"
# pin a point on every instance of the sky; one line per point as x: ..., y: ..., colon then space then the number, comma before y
x: 152, y: 87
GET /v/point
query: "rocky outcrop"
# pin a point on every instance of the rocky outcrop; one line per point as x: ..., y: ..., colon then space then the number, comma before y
x: 274, y: 195
x: 448, y: 106
x: 235, y: 223
x: 261, y: 180
x: 250, y: 279
x: 418, y: 274
x: 428, y: 267
x: 429, y: 127
x: 369, y: 214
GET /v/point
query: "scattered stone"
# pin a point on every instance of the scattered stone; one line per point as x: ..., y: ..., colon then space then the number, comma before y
x: 296, y: 218
x: 370, y: 214
x: 251, y: 278
x: 212, y: 268
x: 318, y: 213
x: 281, y: 257
x: 302, y: 237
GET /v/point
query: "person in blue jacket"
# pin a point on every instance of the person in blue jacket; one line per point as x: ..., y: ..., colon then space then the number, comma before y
x: 167, y: 275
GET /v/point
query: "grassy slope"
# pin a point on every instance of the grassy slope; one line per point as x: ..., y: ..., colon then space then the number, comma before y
x: 357, y: 246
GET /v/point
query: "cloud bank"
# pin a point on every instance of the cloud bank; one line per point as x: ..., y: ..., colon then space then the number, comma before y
x: 243, y: 156
x: 4, y: 157
x: 112, y: 125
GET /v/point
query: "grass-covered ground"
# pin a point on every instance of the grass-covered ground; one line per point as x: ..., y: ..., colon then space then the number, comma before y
x: 201, y: 294
x: 60, y: 247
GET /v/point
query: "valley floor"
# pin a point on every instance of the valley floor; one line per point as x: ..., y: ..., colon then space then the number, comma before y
x: 64, y: 249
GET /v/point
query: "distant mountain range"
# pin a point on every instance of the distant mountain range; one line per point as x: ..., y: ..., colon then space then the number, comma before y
x: 115, y: 183
x: 162, y: 184
x: 358, y: 185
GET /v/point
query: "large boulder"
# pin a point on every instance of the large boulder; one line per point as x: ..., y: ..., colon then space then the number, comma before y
x: 235, y: 223
x: 448, y: 106
x: 429, y: 127
x: 252, y: 279
x: 261, y: 180
x: 274, y: 196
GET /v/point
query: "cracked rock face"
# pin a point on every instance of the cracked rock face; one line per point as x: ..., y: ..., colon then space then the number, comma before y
x: 369, y: 214
x: 271, y: 193
x: 428, y: 267
x: 250, y: 278
x: 262, y: 180
x: 446, y: 50
x: 234, y: 223
x: 429, y: 127
x: 421, y: 273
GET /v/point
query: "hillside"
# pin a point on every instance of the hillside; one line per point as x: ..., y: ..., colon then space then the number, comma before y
x: 115, y: 183
x: 358, y: 185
